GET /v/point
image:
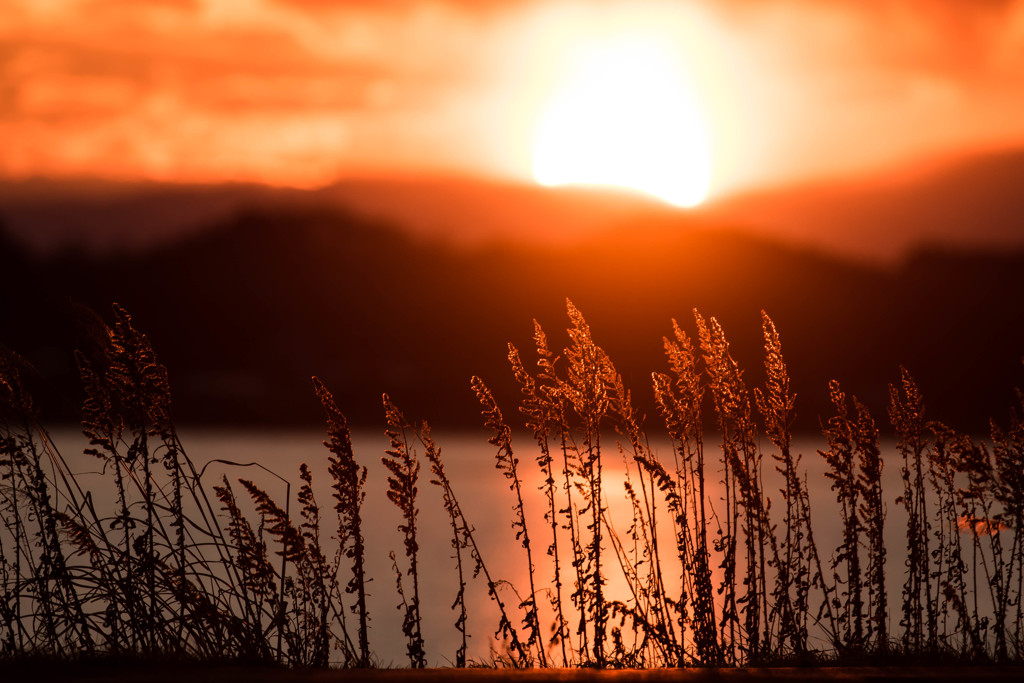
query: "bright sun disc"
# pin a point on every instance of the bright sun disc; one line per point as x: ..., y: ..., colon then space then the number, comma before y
x: 625, y: 118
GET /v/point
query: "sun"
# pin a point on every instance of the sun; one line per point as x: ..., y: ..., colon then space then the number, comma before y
x: 625, y: 117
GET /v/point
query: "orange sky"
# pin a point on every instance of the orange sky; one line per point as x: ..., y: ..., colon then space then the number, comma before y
x: 304, y: 92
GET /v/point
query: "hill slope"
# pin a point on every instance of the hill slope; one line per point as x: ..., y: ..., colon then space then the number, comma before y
x: 974, y: 202
x: 243, y: 313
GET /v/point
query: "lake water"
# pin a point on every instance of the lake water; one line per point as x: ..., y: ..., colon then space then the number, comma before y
x: 487, y: 502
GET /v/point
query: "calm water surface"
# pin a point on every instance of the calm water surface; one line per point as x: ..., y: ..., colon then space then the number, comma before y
x: 487, y: 501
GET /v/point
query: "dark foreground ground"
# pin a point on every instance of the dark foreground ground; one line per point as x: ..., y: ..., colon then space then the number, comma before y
x: 231, y: 674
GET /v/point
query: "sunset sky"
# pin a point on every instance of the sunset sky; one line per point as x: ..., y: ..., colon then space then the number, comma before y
x: 305, y: 92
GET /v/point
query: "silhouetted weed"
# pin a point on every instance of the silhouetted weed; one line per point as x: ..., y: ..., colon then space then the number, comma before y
x: 675, y: 557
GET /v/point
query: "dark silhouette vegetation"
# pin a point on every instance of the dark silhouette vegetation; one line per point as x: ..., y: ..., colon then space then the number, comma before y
x: 712, y: 561
x: 273, y: 297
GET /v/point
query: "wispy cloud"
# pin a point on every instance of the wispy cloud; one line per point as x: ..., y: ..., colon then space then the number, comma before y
x: 301, y: 91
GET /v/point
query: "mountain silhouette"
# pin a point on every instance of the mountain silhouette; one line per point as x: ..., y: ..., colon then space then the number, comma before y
x: 967, y: 202
x: 244, y: 311
x: 973, y: 202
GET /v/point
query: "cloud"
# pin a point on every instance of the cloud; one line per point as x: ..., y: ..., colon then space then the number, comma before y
x: 205, y: 88
x: 311, y: 88
x: 951, y: 35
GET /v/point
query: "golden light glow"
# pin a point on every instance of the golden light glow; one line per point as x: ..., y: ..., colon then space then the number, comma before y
x: 626, y: 117
x: 629, y: 92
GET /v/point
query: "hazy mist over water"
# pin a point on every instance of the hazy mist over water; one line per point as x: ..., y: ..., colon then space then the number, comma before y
x: 487, y: 502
